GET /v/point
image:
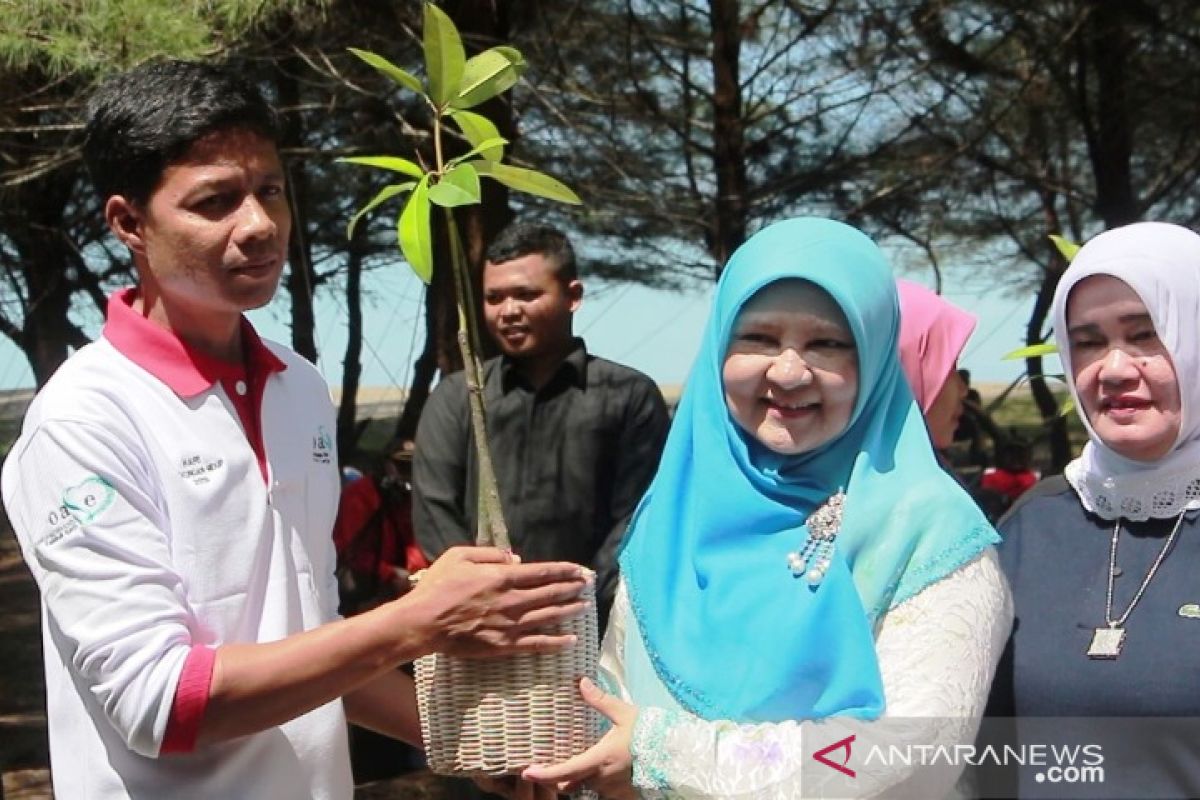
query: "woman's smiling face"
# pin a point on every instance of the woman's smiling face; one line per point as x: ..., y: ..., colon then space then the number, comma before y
x: 791, y: 368
x: 1123, y: 373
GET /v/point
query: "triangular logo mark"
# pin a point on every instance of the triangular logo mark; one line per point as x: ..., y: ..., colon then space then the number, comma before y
x: 841, y: 744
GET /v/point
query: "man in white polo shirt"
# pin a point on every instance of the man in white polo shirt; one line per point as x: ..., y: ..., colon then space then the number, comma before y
x: 175, y: 484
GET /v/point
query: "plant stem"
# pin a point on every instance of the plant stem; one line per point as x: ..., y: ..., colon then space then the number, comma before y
x: 491, y: 528
x: 437, y: 141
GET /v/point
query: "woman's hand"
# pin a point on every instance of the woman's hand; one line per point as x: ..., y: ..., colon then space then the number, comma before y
x: 606, y: 768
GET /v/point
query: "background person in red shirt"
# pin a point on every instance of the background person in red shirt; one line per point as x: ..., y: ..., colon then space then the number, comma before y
x: 373, y: 534
x: 1012, y: 476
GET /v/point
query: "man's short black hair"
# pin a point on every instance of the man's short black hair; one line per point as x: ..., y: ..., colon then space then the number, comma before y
x: 141, y: 121
x: 523, y: 239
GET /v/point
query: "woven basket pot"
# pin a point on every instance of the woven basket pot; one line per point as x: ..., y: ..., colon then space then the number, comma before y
x: 497, y: 716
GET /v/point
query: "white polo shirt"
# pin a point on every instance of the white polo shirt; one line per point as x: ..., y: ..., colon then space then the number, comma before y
x: 143, y: 514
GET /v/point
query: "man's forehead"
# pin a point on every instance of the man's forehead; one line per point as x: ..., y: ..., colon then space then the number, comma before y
x: 528, y: 270
x: 229, y: 146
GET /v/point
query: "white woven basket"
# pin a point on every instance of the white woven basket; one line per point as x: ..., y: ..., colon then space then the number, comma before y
x: 498, y: 716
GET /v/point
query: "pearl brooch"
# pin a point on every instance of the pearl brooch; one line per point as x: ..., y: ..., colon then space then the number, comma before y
x: 813, y: 559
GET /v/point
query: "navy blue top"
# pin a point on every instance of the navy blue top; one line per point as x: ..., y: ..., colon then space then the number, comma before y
x: 1056, y: 558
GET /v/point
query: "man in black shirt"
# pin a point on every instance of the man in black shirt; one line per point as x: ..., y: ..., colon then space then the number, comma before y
x: 575, y: 439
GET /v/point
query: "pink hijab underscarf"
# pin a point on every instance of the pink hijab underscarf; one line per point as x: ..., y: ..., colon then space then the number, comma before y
x: 933, y: 333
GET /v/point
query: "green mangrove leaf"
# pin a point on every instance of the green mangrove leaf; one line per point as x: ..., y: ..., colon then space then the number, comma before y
x: 394, y: 163
x: 488, y: 74
x: 512, y: 54
x: 489, y: 145
x: 528, y: 181
x: 385, y: 194
x: 444, y: 56
x: 414, y: 233
x: 1065, y: 246
x: 1032, y: 351
x: 1068, y: 405
x: 478, y: 129
x: 400, y: 76
x: 458, y: 187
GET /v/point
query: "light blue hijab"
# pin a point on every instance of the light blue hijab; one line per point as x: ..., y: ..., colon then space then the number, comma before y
x: 730, y: 631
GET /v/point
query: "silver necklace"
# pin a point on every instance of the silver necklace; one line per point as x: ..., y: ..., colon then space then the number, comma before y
x: 1108, y: 641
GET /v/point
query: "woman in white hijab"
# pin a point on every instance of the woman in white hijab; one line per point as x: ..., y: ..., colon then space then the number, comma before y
x: 1104, y: 561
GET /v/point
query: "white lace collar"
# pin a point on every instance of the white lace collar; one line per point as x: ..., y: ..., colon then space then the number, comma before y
x: 1156, y: 493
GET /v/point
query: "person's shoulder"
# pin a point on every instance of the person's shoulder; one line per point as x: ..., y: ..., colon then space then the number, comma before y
x: 95, y: 395
x: 446, y: 406
x: 298, y: 367
x: 89, y: 385
x: 611, y: 373
x: 1042, y: 528
x: 1048, y: 496
x: 979, y: 577
x: 302, y: 386
x: 453, y: 386
x: 609, y: 367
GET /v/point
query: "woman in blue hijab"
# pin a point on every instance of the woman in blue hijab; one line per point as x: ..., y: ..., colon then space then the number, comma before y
x: 800, y: 557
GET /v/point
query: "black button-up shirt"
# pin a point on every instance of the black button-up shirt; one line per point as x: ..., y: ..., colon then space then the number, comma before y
x: 572, y: 460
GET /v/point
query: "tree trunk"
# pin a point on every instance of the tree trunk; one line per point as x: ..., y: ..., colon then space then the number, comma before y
x: 727, y: 230
x: 300, y: 288
x: 46, y: 333
x: 1047, y: 404
x: 440, y: 352
x: 301, y: 280
x: 424, y: 370
x: 1110, y: 143
x: 46, y: 336
x: 347, y: 427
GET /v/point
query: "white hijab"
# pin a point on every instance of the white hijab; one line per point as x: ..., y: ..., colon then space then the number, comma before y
x: 1161, y: 263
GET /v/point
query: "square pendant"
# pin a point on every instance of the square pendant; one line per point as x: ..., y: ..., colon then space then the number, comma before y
x: 1106, y: 643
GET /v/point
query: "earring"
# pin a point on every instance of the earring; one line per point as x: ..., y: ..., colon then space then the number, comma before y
x: 817, y: 553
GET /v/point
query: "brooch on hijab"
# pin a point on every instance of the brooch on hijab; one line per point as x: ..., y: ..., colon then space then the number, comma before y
x: 817, y: 553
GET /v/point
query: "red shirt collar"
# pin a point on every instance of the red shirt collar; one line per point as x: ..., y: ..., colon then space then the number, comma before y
x: 185, y: 370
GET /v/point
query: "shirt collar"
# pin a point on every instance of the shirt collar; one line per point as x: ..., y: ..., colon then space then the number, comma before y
x: 185, y: 370
x: 573, y: 368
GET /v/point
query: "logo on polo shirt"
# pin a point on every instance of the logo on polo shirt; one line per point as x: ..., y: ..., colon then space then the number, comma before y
x: 198, y: 469
x: 87, y: 500
x: 79, y: 505
x: 322, y: 445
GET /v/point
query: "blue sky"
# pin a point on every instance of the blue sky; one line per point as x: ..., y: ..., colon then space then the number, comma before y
x: 657, y: 332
